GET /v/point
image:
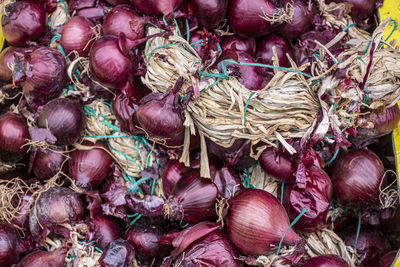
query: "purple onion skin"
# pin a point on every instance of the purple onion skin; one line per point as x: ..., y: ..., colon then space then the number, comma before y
x: 23, y: 220
x: 172, y: 174
x: 124, y: 19
x: 209, y: 13
x: 64, y: 118
x: 119, y: 253
x: 107, y: 62
x: 47, y: 164
x: 361, y: 8
x: 78, y: 35
x: 23, y: 21
x: 315, y: 198
x: 45, y: 76
x: 356, y: 179
x: 302, y: 20
x: 371, y: 244
x: 213, y: 250
x: 245, y: 17
x: 264, y: 52
x: 256, y: 222
x: 156, y: 7
x: 13, y: 136
x: 89, y: 168
x: 326, y: 261
x: 54, y: 258
x: 11, y: 246
x: 279, y: 165
x: 247, y: 45
x: 105, y: 229
x: 7, y: 57
x: 226, y: 180
x: 388, y: 259
x: 117, y: 2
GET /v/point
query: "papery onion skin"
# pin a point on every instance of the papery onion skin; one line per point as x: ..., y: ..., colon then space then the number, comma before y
x: 89, y: 168
x: 45, y: 76
x: 47, y: 163
x: 172, y: 174
x: 315, y: 198
x: 124, y: 19
x: 215, y: 249
x: 117, y: 2
x: 54, y: 258
x: 107, y: 62
x: 226, y: 180
x: 156, y: 7
x: 247, y: 45
x: 78, y: 35
x: 11, y: 246
x: 361, y: 8
x: 119, y: 253
x: 264, y: 52
x: 356, y: 178
x: 65, y: 119
x: 279, y: 165
x: 302, y: 20
x: 23, y: 21
x: 326, y: 261
x: 54, y: 208
x: 13, y: 137
x: 209, y: 13
x: 7, y: 57
x: 105, y: 229
x: 22, y: 219
x: 256, y: 222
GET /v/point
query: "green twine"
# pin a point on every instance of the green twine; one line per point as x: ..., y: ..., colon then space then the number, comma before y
x: 348, y: 27
x: 213, y: 75
x: 187, y: 31
x: 136, y: 219
x: 333, y: 158
x: 59, y: 47
x: 247, y: 104
x: 282, y: 187
x: 177, y: 27
x: 132, y: 215
x: 392, y: 21
x: 366, y: 95
x: 290, y: 226
x: 99, y: 250
x: 135, y: 185
x: 153, y: 186
x: 358, y: 230
x: 91, y: 242
x: 55, y: 37
x: 165, y: 22
x: 246, y: 181
x: 212, y: 85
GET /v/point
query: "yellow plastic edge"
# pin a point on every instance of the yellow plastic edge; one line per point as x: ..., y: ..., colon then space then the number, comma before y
x: 1, y: 35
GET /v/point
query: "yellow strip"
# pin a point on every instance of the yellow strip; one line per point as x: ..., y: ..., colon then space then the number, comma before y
x: 1, y: 35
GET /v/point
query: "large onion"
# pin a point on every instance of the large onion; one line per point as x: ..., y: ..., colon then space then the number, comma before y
x: 11, y: 246
x: 264, y: 53
x: 55, y: 258
x: 208, y: 12
x: 156, y: 7
x: 326, y: 261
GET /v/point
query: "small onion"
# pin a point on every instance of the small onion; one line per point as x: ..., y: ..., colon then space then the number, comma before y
x: 107, y: 62
x: 91, y: 167
x: 256, y: 222
x: 264, y: 53
x: 55, y: 258
x: 7, y: 59
x: 356, y: 178
x: 124, y: 19
x: 13, y: 137
x: 23, y: 21
x: 11, y: 246
x: 156, y: 7
x: 247, y: 45
x: 47, y: 163
x: 64, y: 118
x: 119, y: 253
x: 105, y: 230
x: 278, y: 164
x: 326, y: 261
x: 78, y: 35
x: 209, y: 13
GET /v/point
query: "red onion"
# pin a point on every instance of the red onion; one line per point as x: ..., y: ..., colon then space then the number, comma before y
x: 144, y: 236
x: 13, y: 137
x: 7, y: 59
x: 124, y: 110
x: 89, y: 168
x: 78, y: 35
x: 265, y: 52
x: 124, y: 19
x: 172, y: 174
x: 55, y: 208
x: 245, y: 16
x: 45, y: 75
x: 356, y: 178
x: 64, y: 118
x: 247, y: 45
x: 326, y: 261
x: 302, y: 20
x: 23, y: 21
x: 156, y: 7
x: 119, y: 253
x: 81, y: 4
x: 215, y: 249
x: 11, y: 246
x: 107, y: 62
x: 382, y: 124
x: 315, y: 198
x: 159, y: 116
x: 208, y: 13
x: 55, y: 258
x: 388, y: 259
x: 47, y: 163
x: 117, y: 2
x: 23, y: 201
x: 95, y: 14
x: 371, y: 244
x: 249, y: 76
x: 361, y: 8
x: 278, y: 164
x: 226, y: 180
x: 105, y: 230
x: 256, y: 222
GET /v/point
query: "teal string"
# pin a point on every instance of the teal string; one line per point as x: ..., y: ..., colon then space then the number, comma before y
x: 246, y: 181
x: 91, y: 242
x: 153, y: 186
x: 290, y: 226
x: 55, y: 37
x: 213, y: 75
x: 187, y: 31
x: 59, y: 47
x: 177, y: 27
x: 99, y: 250
x: 165, y: 22
x: 135, y: 186
x: 247, y: 104
x: 392, y: 21
x: 358, y: 230
x: 348, y: 27
x: 282, y: 187
x: 132, y: 215
x: 333, y: 158
x: 108, y: 136
x: 136, y: 219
